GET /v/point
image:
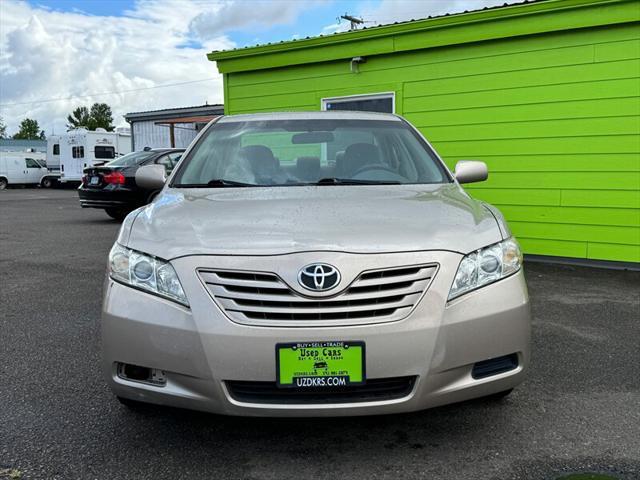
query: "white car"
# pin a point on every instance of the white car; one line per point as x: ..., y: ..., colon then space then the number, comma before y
x: 310, y: 264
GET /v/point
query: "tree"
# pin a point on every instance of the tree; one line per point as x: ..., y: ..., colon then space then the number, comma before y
x: 3, y: 129
x: 78, y: 118
x: 99, y: 116
x: 29, y: 130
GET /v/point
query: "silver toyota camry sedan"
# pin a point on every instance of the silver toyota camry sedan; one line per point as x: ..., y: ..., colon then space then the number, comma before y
x: 314, y: 264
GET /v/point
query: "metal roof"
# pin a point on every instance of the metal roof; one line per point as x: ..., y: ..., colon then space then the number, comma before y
x: 316, y: 115
x: 531, y: 17
x: 15, y: 144
x: 198, y: 119
x: 170, y: 113
x: 382, y: 25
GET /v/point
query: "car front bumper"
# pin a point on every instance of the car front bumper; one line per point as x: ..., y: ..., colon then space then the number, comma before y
x: 200, y: 350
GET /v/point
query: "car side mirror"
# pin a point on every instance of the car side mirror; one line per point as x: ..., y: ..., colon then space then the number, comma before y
x: 469, y: 171
x: 151, y: 177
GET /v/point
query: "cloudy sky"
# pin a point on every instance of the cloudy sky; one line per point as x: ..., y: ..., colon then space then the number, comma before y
x: 139, y: 55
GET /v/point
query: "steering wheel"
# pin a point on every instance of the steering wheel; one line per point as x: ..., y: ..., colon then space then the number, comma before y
x: 375, y: 166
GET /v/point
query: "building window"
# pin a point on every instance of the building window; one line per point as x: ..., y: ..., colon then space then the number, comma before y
x: 56, y: 149
x: 77, y: 152
x: 105, y: 152
x: 378, y: 102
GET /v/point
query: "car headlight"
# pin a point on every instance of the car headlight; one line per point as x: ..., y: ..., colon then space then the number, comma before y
x: 146, y: 273
x: 485, y: 266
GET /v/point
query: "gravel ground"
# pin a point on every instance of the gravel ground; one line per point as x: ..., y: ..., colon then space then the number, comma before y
x: 579, y: 410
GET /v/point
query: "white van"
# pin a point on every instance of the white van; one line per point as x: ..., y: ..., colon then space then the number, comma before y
x: 82, y: 148
x: 21, y: 168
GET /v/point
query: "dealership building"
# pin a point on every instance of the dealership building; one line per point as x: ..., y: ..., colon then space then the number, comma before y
x: 547, y: 93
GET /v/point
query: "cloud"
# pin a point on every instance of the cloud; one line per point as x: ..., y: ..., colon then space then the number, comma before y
x: 47, y: 54
x: 337, y: 27
x: 390, y: 11
x: 235, y: 15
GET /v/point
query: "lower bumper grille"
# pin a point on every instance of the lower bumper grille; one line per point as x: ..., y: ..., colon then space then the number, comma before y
x: 494, y: 366
x: 376, y: 390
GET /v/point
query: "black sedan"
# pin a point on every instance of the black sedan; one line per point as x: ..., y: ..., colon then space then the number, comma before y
x: 112, y: 186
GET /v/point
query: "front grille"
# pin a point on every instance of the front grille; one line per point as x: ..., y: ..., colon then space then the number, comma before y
x: 262, y: 298
x: 375, y: 390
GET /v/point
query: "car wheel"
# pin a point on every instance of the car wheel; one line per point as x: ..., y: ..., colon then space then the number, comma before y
x: 46, y: 183
x: 116, y: 213
x: 3, y: 183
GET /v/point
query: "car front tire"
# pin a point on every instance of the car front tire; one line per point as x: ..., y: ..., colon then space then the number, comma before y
x: 116, y: 213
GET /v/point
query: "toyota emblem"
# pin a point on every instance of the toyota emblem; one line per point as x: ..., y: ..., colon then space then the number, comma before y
x: 319, y: 277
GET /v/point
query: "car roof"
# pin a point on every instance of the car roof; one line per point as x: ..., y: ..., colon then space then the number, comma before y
x: 333, y: 115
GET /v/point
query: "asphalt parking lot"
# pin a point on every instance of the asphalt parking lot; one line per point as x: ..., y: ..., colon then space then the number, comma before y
x: 579, y: 410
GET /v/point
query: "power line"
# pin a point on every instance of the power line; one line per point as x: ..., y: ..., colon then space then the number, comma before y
x: 49, y: 100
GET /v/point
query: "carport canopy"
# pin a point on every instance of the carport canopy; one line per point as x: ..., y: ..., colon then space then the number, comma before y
x: 172, y: 122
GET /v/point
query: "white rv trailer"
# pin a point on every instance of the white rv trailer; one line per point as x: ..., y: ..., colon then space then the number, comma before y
x: 82, y: 148
x: 52, y: 161
x: 22, y: 168
x: 53, y: 153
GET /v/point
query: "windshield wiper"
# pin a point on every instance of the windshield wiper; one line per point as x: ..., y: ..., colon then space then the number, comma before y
x: 351, y: 181
x: 216, y: 183
x: 221, y: 182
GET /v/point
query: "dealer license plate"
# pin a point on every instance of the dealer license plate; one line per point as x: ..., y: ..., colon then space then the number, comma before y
x: 94, y: 180
x: 320, y: 364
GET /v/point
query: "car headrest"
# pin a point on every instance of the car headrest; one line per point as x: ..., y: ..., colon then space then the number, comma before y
x: 260, y: 158
x: 359, y: 155
x: 308, y: 168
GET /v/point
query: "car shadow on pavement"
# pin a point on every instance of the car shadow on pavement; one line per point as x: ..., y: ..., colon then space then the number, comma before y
x: 415, y: 430
x: 84, y: 222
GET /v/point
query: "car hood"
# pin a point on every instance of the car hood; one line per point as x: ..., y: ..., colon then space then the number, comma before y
x: 277, y: 220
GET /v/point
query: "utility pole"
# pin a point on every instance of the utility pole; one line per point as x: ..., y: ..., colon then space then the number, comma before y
x: 355, y: 21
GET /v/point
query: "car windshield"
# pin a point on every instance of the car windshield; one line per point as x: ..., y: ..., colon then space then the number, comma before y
x: 130, y: 159
x: 304, y: 152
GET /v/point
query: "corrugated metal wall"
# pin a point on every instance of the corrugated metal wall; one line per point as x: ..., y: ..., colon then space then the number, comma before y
x: 148, y: 134
x: 555, y: 116
x: 13, y: 145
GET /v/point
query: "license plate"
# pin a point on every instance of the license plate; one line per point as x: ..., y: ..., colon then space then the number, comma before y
x: 320, y: 364
x: 94, y: 180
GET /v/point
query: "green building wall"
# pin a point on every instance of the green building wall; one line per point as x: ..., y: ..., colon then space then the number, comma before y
x: 555, y: 114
